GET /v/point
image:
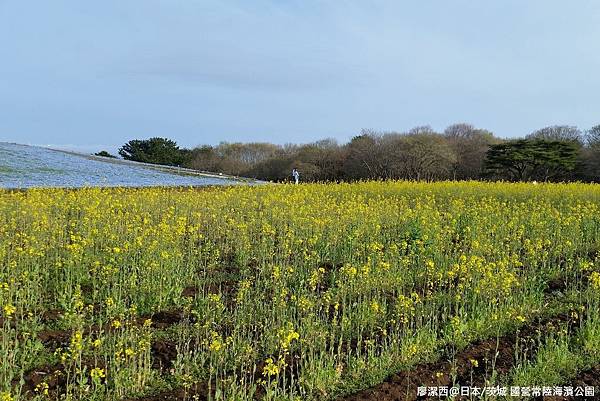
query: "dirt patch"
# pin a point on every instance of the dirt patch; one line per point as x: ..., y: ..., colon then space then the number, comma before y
x: 556, y: 285
x: 195, y: 392
x: 589, y: 377
x: 227, y: 289
x: 11, y: 322
x: 164, y: 319
x: 499, y: 353
x: 52, y: 315
x: 53, y: 339
x: 46, y: 316
x: 190, y: 291
x: 163, y: 353
x: 52, y: 378
x: 473, y: 365
x: 87, y: 289
x: 52, y: 375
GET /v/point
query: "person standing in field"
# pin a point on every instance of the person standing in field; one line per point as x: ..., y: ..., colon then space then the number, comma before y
x: 296, y: 175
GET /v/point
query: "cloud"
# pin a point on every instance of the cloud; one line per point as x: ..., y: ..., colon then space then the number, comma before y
x: 251, y: 71
x: 202, y: 71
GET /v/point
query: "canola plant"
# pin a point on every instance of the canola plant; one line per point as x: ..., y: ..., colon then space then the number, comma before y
x: 283, y: 292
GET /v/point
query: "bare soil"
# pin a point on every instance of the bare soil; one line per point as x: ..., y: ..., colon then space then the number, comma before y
x: 497, y: 353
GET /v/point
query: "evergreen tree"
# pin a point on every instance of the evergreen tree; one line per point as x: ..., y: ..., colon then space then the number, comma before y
x: 531, y: 159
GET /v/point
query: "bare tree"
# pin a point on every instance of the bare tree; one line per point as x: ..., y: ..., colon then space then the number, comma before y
x: 592, y: 137
x: 565, y: 133
x: 460, y: 130
x: 470, y: 146
x: 421, y: 129
x: 590, y: 166
x: 362, y: 159
x: 423, y: 157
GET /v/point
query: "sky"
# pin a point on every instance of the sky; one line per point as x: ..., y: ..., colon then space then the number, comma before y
x: 91, y: 75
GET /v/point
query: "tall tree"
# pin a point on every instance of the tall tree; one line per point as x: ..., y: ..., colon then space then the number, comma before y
x: 361, y: 159
x: 154, y: 150
x: 565, y: 133
x: 460, y: 130
x: 470, y: 145
x: 424, y: 156
x: 591, y: 155
x: 592, y: 136
x: 531, y: 159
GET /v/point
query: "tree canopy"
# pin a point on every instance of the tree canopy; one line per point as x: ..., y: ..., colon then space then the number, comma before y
x: 460, y: 152
x: 154, y: 150
x: 104, y: 153
x: 531, y: 159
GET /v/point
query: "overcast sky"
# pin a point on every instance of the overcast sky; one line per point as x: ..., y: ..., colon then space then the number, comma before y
x: 94, y: 74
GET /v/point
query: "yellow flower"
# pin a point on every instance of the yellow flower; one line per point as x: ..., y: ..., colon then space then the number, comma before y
x: 217, y: 342
x: 42, y: 388
x: 76, y: 341
x: 273, y: 368
x: 144, y: 344
x: 287, y: 336
x: 97, y: 374
x: 5, y: 396
x: 215, y: 345
x: 595, y: 281
x: 270, y: 368
x: 116, y: 323
x: 9, y: 310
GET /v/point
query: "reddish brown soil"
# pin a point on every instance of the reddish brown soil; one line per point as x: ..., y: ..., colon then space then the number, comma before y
x: 226, y: 288
x: 291, y: 371
x: 556, y: 285
x: 589, y: 377
x: 47, y: 316
x: 52, y: 315
x: 12, y: 324
x: 196, y: 392
x: 190, y: 291
x: 52, y: 375
x: 496, y: 352
x: 164, y: 319
x: 163, y: 354
x: 53, y: 339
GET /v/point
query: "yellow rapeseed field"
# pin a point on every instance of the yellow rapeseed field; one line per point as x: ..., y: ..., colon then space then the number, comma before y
x: 279, y: 292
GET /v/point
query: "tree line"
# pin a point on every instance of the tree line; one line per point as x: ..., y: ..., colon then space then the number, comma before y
x: 460, y: 152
